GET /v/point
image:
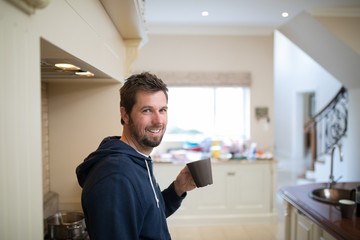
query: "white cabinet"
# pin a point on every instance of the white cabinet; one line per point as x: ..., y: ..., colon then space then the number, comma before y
x: 249, y: 188
x: 306, y: 229
x: 300, y: 227
x: 241, y: 191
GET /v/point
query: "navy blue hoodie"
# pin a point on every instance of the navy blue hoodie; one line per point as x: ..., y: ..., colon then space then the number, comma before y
x: 120, y: 197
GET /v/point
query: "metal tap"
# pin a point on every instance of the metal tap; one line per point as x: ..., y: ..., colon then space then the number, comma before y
x: 331, y: 177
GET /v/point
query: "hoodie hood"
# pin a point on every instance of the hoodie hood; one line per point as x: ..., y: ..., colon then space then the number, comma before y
x: 109, y: 146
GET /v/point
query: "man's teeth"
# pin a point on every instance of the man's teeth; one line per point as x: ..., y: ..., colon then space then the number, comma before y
x: 154, y: 130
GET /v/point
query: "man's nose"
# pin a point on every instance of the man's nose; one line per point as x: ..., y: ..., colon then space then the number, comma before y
x: 159, y: 118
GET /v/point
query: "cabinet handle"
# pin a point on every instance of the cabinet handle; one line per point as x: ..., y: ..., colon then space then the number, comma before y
x: 231, y: 173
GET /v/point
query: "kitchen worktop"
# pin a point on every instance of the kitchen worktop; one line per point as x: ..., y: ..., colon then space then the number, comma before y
x: 327, y: 216
x: 218, y: 162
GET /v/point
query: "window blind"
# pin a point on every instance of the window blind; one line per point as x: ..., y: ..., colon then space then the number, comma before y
x: 206, y: 78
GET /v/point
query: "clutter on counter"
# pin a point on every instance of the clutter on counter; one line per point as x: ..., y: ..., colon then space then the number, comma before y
x: 217, y: 150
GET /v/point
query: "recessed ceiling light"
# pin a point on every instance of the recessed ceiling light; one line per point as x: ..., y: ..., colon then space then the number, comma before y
x: 285, y: 14
x: 86, y: 74
x: 204, y: 13
x: 67, y: 66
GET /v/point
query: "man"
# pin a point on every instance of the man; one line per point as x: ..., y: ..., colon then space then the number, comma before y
x: 120, y: 197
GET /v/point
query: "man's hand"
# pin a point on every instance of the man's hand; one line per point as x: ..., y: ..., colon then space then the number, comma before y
x: 184, y: 182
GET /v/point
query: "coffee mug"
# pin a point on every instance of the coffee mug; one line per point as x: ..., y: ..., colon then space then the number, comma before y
x: 357, y: 199
x: 346, y: 208
x: 201, y: 172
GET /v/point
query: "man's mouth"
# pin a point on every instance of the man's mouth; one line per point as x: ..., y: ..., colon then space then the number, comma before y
x: 157, y: 130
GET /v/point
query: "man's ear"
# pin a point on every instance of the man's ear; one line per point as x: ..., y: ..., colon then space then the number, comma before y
x: 124, y: 115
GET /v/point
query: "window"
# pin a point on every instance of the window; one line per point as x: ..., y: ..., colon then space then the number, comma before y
x: 197, y: 113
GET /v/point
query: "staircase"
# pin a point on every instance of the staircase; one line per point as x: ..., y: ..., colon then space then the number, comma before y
x: 323, y: 131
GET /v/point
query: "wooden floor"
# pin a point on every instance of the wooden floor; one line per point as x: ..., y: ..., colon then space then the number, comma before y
x: 229, y: 232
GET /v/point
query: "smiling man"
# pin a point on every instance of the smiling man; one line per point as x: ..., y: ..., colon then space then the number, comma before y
x: 121, y: 198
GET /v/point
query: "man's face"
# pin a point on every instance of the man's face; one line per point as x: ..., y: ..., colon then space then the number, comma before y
x: 147, y: 120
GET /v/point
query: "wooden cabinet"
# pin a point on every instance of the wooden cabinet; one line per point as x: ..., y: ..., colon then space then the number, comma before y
x: 300, y: 227
x: 241, y: 191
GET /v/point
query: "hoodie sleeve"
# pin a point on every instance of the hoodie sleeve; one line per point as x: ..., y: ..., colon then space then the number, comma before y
x: 171, y: 199
x: 113, y: 213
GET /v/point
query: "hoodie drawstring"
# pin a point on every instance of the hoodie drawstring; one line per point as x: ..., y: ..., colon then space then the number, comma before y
x: 152, y: 185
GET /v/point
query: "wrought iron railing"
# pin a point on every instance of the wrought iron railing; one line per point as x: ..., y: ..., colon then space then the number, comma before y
x: 328, y: 126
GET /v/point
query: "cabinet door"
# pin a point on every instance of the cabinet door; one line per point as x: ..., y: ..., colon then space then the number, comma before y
x: 238, y: 191
x: 327, y: 236
x: 211, y: 199
x: 208, y: 200
x: 249, y: 188
x: 306, y: 229
x: 293, y: 223
x: 300, y: 227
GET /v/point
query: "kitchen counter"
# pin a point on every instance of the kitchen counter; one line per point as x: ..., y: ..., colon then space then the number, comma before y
x: 327, y: 216
x: 242, y: 191
x: 218, y: 162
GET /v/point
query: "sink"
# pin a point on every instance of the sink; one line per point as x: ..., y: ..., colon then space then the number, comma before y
x: 332, y: 195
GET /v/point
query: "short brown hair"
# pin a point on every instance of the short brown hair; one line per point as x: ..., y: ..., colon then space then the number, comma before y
x: 144, y: 81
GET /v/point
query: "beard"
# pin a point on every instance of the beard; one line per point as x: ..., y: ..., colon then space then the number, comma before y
x: 144, y: 140
x: 151, y: 143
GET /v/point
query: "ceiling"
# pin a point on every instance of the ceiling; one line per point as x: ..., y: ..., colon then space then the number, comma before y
x: 235, y: 17
x: 139, y: 18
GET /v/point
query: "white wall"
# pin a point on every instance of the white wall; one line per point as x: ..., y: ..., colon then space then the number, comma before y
x: 79, y: 27
x: 80, y: 116
x: 351, y: 163
x: 347, y: 29
x: 295, y: 73
x: 218, y: 54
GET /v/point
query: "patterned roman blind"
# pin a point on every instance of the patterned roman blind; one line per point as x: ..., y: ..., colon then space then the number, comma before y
x: 206, y: 78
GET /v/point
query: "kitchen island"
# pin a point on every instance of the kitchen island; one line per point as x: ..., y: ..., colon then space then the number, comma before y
x: 306, y: 218
x: 242, y: 191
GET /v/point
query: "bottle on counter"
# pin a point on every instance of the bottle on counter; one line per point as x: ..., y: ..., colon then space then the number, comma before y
x: 252, y: 152
x: 215, y: 149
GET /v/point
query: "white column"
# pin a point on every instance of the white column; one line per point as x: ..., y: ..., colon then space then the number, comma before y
x: 351, y: 147
x: 20, y: 128
x: 132, y: 47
